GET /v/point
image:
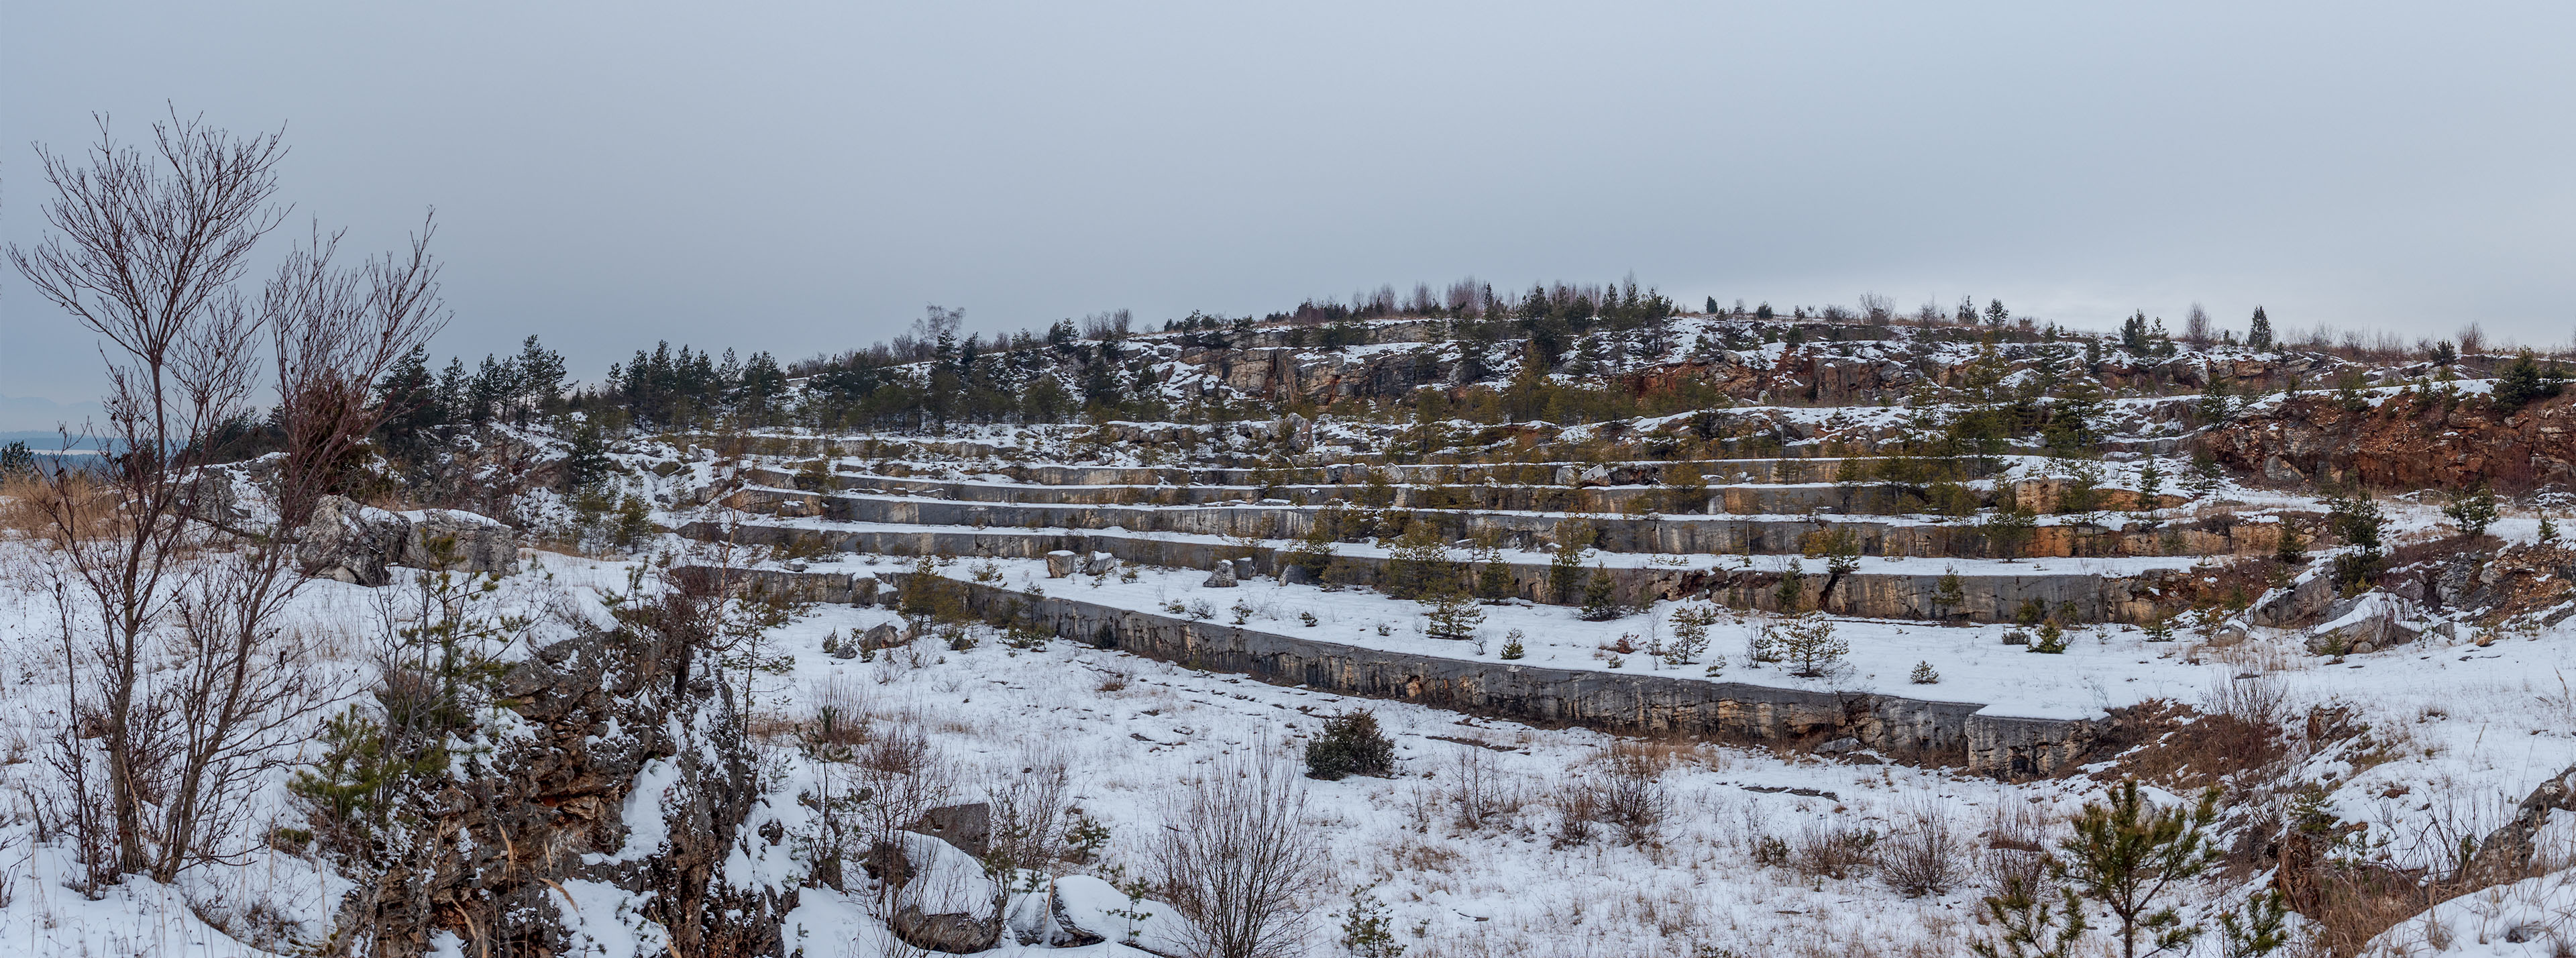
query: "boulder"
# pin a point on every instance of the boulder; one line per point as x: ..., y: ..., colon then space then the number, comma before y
x: 2303, y: 600
x: 1084, y: 907
x: 1244, y: 571
x: 1222, y: 577
x: 885, y: 635
x: 352, y: 542
x: 968, y: 827
x: 1059, y: 563
x: 460, y: 541
x: 1099, y: 563
x: 2365, y: 623
x: 940, y: 897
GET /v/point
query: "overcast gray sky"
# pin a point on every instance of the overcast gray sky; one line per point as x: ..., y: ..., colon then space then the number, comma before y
x: 803, y: 178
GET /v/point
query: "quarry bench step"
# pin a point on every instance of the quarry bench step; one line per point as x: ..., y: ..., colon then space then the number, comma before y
x: 1680, y: 534
x: 2070, y: 590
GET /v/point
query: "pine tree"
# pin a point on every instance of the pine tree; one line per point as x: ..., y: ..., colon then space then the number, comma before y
x: 1996, y: 314
x: 2473, y: 510
x: 587, y: 463
x: 2008, y: 532
x: 2126, y: 854
x: 1494, y: 581
x: 2258, y: 336
x: 1810, y: 647
x: 1565, y: 567
x: 2035, y: 923
x: 1453, y: 615
x: 1949, y: 594
x: 1690, y: 633
x: 1601, y: 597
x: 2204, y: 478
x: 1924, y: 675
x: 2291, y: 548
x: 2133, y: 333
x: 541, y: 376
x: 1512, y: 648
x: 2548, y: 529
x: 2521, y: 383
x: 2260, y: 927
x: 2051, y: 639
x: 1367, y: 930
x: 1792, y: 593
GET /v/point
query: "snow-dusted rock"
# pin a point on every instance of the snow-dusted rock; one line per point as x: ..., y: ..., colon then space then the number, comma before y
x: 941, y: 897
x: 2365, y: 623
x: 2301, y: 600
x: 461, y: 541
x: 1087, y: 907
x: 885, y: 635
x: 1222, y: 578
x: 1059, y: 563
x: 352, y: 542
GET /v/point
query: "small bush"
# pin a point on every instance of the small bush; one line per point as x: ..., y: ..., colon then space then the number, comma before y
x: 1351, y: 745
x: 1924, y: 675
x: 1834, y: 851
x: 1923, y: 858
x: 1578, y: 810
x: 1632, y: 796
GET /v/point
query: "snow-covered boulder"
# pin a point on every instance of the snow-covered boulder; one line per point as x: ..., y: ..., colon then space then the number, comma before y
x: 1084, y: 907
x: 2364, y: 623
x: 1221, y: 578
x: 351, y: 542
x: 1060, y: 563
x: 942, y: 899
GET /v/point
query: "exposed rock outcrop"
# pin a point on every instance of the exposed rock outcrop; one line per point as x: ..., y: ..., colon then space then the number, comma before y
x: 621, y: 775
x: 2410, y: 441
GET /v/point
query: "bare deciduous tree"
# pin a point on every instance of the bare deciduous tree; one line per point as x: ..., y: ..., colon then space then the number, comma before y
x: 188, y: 680
x: 1237, y: 860
x: 143, y: 250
